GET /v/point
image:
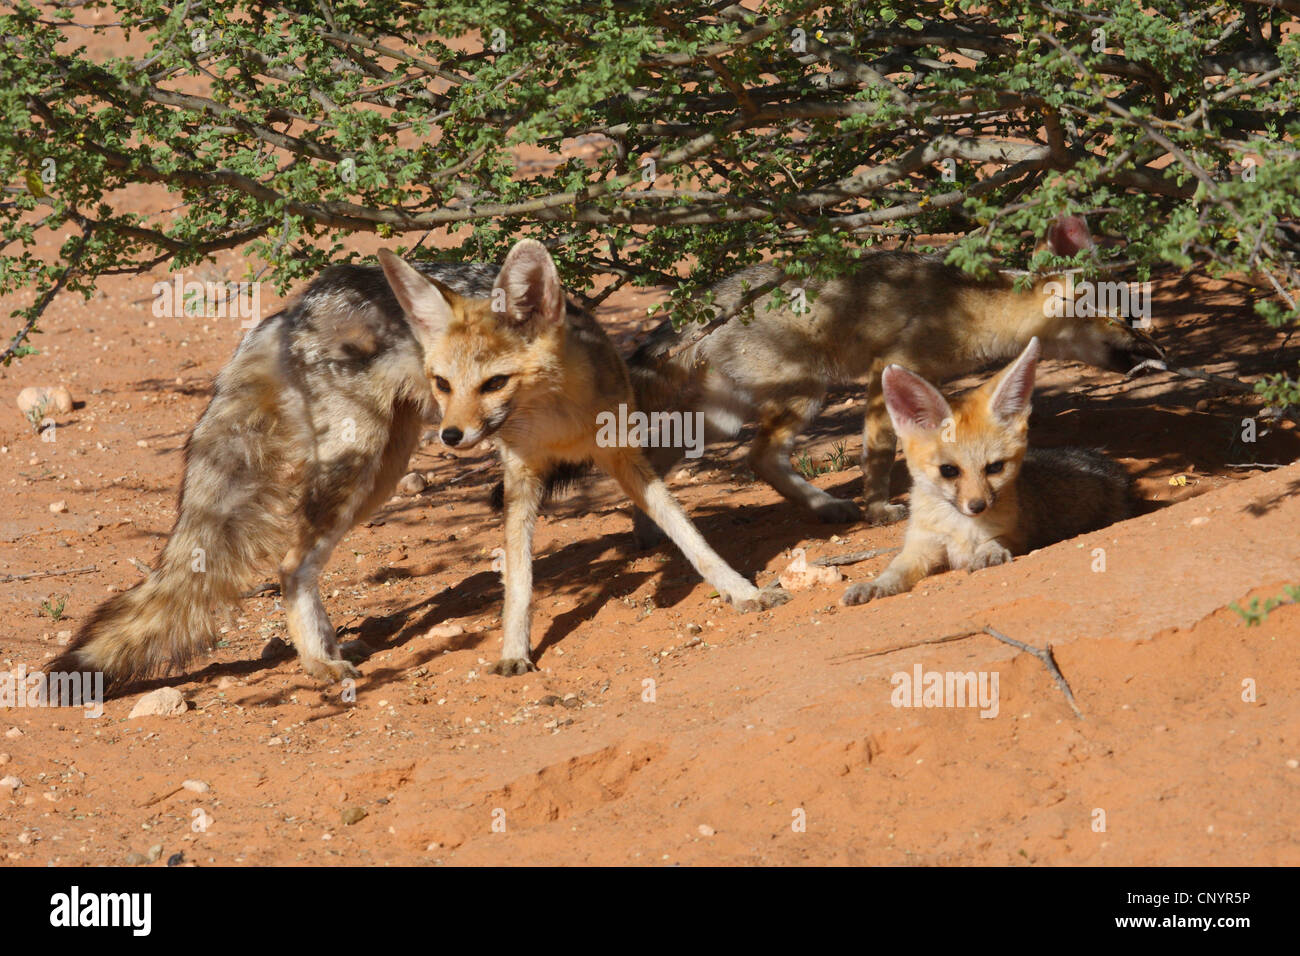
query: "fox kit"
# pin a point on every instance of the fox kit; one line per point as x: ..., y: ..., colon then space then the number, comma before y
x: 535, y: 379
x: 979, y: 495
x: 776, y: 366
x: 311, y: 424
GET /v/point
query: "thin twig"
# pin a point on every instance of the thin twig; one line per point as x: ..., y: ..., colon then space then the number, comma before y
x: 853, y: 557
x: 1210, y: 377
x: 471, y: 472
x: 38, y: 308
x: 863, y: 655
x: 1045, y: 655
x: 46, y: 574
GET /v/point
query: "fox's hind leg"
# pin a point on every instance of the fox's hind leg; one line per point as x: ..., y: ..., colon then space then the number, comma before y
x: 645, y: 532
x: 340, y: 490
x: 878, y: 446
x: 779, y: 424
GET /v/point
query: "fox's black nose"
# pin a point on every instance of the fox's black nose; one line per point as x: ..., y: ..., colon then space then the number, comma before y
x: 452, y: 436
x: 978, y: 505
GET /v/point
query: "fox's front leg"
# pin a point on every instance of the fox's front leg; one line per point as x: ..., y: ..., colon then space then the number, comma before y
x: 523, y: 496
x: 991, y: 552
x: 921, y: 557
x: 878, y: 445
x: 649, y: 493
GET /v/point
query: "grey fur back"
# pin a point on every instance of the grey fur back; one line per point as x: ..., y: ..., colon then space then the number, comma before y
x: 1066, y: 492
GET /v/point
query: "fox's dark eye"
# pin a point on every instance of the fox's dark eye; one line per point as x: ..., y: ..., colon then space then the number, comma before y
x: 494, y: 384
x: 993, y: 467
x: 949, y: 471
x: 441, y: 384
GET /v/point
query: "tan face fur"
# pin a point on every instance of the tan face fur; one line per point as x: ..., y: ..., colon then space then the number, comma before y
x: 485, y: 358
x: 969, y: 454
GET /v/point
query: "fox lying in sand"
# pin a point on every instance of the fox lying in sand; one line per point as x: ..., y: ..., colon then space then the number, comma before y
x: 775, y: 367
x: 979, y: 494
x: 312, y: 423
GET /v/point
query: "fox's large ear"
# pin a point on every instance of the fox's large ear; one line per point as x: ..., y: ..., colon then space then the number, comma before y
x: 1013, y: 389
x: 527, y: 292
x: 427, y: 310
x: 1068, y: 235
x: 914, y: 404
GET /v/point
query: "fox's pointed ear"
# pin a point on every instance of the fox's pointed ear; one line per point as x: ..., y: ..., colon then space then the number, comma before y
x: 426, y: 307
x: 527, y: 292
x: 1068, y: 235
x: 1013, y: 389
x: 914, y: 404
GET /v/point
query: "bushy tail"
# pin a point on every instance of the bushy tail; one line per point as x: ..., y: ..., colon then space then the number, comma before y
x: 232, y: 522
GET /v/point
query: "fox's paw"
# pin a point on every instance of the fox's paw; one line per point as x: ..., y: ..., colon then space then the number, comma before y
x: 330, y: 670
x: 882, y: 512
x: 990, y: 554
x: 837, y: 511
x: 864, y: 591
x: 512, y: 666
x: 761, y: 600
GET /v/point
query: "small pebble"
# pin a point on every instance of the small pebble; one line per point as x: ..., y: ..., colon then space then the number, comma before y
x: 412, y: 484
x: 163, y: 702
x: 445, y: 630
x: 196, y: 786
x: 56, y: 399
x: 351, y: 815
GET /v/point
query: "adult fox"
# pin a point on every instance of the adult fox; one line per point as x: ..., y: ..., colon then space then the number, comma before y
x: 312, y: 423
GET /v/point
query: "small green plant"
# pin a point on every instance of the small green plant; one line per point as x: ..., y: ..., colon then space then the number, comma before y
x: 837, y: 459
x: 53, y: 606
x: 804, y: 465
x: 36, y: 414
x: 1254, y: 614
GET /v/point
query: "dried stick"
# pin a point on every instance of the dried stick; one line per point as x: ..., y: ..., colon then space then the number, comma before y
x: 1049, y: 661
x: 1162, y: 366
x: 46, y: 574
x: 1043, y: 654
x: 863, y: 655
x: 853, y: 557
